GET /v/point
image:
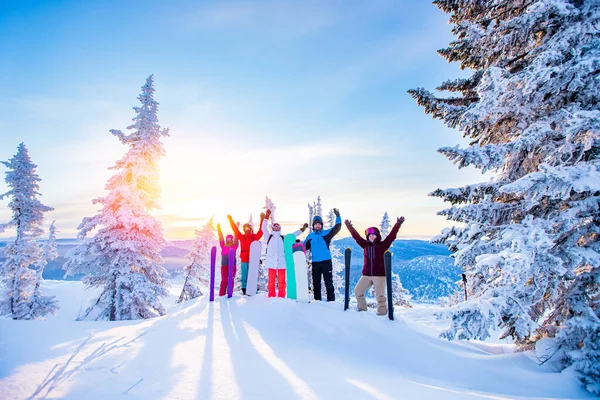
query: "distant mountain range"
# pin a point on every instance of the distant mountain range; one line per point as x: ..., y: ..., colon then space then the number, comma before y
x: 426, y: 270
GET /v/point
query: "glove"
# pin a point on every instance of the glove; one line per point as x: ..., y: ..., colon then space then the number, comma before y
x: 336, y: 212
x: 400, y: 220
x: 267, y: 214
x: 229, y: 217
x: 262, y: 215
x: 238, y: 224
x: 304, y: 227
x: 219, y: 226
x: 347, y: 222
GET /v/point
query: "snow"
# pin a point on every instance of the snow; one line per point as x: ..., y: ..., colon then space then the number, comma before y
x: 256, y: 347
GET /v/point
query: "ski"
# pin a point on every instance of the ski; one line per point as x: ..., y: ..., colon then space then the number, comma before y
x: 347, y: 256
x: 213, y: 261
x: 253, y: 266
x: 230, y: 273
x: 288, y: 241
x: 388, y: 278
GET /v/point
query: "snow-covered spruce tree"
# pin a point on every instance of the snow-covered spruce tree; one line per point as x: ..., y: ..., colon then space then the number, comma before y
x: 530, y: 242
x: 123, y: 256
x: 385, y: 225
x: 269, y: 205
x: 40, y: 304
x: 251, y: 221
x: 318, y: 207
x: 198, y: 271
x: 330, y: 222
x: 17, y: 272
x: 400, y: 296
x: 311, y: 214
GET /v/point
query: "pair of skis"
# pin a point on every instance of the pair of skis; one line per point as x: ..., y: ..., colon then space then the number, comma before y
x: 387, y: 258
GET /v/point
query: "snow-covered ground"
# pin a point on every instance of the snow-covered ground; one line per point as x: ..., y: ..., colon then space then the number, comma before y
x: 259, y: 348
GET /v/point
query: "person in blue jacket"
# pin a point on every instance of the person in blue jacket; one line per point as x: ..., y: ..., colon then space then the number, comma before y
x: 318, y: 243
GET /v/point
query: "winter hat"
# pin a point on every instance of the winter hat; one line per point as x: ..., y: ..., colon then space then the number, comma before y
x: 373, y: 230
x: 316, y: 219
x: 229, y: 238
x: 276, y: 227
x: 247, y: 226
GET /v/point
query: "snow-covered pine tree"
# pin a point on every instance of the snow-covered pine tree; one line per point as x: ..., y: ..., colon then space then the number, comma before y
x: 269, y: 205
x: 330, y: 222
x: 318, y: 207
x: 337, y: 261
x: 197, y: 273
x: 400, y: 296
x: 385, y: 225
x: 311, y: 214
x: 40, y: 304
x: 123, y: 257
x: 251, y: 221
x: 17, y: 272
x: 529, y: 245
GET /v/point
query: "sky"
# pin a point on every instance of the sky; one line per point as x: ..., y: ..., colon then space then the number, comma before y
x: 286, y: 99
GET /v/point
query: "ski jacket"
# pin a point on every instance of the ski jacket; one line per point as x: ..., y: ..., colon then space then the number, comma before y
x: 373, y: 264
x: 318, y: 241
x: 225, y: 249
x: 245, y: 240
x: 275, y: 254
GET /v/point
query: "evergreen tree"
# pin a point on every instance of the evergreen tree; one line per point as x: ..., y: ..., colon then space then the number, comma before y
x: 42, y: 305
x: 385, y: 225
x: 17, y: 273
x: 400, y: 296
x: 330, y: 220
x: 318, y: 207
x: 123, y: 256
x: 197, y: 273
x: 269, y: 205
x: 529, y: 244
x: 251, y: 222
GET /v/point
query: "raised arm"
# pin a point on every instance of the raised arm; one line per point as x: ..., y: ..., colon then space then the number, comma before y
x: 259, y: 234
x: 301, y: 230
x: 336, y: 228
x: 221, y: 240
x: 387, y: 242
x: 362, y: 242
x: 265, y: 228
x: 236, y: 231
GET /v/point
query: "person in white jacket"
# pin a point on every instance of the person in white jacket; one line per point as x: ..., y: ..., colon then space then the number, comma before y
x: 275, y: 260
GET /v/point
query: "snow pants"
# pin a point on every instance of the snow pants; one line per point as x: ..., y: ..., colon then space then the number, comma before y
x: 278, y: 274
x: 244, y: 274
x: 364, y: 283
x: 225, y: 279
x: 324, y: 268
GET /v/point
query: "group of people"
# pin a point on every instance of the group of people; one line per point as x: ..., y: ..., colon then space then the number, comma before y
x: 317, y: 241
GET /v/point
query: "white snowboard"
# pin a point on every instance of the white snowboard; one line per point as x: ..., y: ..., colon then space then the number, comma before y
x: 254, y: 262
x: 301, y: 268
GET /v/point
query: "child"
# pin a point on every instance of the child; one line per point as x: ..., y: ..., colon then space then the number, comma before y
x: 275, y: 260
x: 318, y: 243
x: 246, y: 240
x: 373, y: 272
x: 229, y: 243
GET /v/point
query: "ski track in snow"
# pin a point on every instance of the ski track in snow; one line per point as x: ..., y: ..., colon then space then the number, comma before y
x: 255, y: 347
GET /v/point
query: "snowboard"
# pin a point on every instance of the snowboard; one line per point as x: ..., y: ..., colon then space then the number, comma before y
x: 347, y: 255
x: 230, y: 273
x: 300, y: 269
x: 253, y: 264
x: 288, y: 241
x: 213, y: 261
x: 388, y: 278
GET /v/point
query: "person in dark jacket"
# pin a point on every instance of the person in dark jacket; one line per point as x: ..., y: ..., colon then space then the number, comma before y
x: 318, y: 243
x: 229, y: 243
x: 373, y: 272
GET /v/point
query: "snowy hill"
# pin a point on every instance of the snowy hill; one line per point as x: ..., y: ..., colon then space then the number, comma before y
x: 255, y: 347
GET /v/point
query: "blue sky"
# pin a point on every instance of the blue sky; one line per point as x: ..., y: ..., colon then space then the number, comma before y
x: 280, y: 98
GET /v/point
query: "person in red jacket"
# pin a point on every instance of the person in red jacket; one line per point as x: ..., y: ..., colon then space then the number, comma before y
x: 373, y: 272
x: 246, y: 240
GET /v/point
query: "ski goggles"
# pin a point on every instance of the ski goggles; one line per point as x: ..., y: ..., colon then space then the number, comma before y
x: 371, y: 231
x: 276, y: 227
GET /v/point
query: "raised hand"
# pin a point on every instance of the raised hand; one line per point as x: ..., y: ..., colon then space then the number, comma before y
x: 304, y: 227
x: 267, y: 214
x: 262, y: 215
x: 348, y: 222
x: 400, y: 220
x: 336, y: 212
x: 219, y: 226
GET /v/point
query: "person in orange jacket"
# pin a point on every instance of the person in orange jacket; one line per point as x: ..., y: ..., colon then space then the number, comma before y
x: 246, y: 240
